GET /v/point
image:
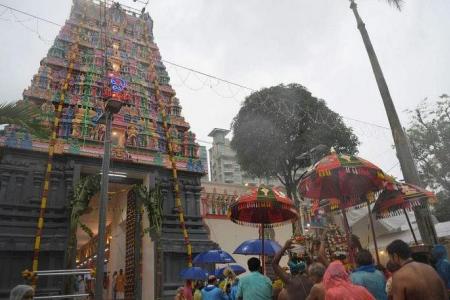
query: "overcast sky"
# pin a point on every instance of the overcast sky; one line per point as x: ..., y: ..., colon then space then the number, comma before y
x: 260, y: 43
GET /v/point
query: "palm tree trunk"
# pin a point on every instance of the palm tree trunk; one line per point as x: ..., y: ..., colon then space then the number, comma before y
x: 409, y: 170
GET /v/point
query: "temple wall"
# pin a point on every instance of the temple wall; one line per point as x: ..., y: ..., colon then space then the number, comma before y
x: 21, y: 180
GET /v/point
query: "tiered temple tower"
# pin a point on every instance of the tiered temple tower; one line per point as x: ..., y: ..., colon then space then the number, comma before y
x: 96, y: 41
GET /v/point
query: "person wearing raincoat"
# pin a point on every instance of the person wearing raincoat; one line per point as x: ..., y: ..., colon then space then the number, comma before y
x: 338, y: 286
x: 368, y: 276
x: 442, y: 264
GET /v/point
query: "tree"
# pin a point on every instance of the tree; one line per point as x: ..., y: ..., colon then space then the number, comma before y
x: 24, y: 114
x: 276, y: 125
x: 429, y: 135
x: 441, y: 209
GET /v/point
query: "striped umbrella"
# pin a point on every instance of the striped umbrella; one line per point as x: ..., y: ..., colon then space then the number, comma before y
x: 263, y: 207
x: 399, y: 197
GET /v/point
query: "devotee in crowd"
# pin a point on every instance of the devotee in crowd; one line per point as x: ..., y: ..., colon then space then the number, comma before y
x: 198, y: 290
x: 180, y: 294
x: 120, y: 286
x: 277, y: 286
x: 391, y: 268
x: 22, y: 292
x: 297, y: 285
x: 234, y: 289
x: 442, y: 264
x: 283, y: 295
x: 414, y: 280
x: 188, y: 290
x: 81, y: 284
x: 338, y: 286
x: 212, y: 291
x: 254, y: 286
x: 316, y: 271
x: 114, y: 285
x: 225, y: 285
x: 367, y: 275
x: 383, y: 270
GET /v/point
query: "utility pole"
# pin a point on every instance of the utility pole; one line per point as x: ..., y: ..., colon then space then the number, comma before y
x: 101, y: 236
x: 113, y: 106
x: 409, y: 170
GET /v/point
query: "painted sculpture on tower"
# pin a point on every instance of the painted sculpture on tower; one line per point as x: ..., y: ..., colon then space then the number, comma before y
x: 127, y: 63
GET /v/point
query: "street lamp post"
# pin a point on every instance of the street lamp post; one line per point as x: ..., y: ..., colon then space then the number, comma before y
x: 112, y: 106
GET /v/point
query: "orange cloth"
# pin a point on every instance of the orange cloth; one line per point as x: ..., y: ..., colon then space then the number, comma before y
x: 120, y: 283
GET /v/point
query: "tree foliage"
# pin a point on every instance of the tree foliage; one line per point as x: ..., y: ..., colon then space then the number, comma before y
x: 24, y: 114
x: 429, y: 135
x: 441, y: 209
x: 278, y: 124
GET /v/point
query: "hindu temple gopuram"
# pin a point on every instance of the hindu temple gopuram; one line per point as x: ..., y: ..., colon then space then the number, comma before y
x: 99, y: 42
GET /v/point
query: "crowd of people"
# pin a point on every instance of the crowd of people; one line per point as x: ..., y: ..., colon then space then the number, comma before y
x: 316, y: 277
x: 83, y: 285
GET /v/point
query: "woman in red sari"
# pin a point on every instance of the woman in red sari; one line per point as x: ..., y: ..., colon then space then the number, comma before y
x: 339, y: 287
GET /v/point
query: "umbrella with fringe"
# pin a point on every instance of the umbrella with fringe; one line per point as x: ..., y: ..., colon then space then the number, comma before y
x: 342, y: 181
x: 399, y: 197
x: 263, y: 207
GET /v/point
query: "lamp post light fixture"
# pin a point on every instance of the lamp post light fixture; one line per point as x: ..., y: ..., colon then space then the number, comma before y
x: 113, y: 105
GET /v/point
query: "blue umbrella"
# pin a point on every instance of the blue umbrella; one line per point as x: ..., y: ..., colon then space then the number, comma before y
x: 254, y: 247
x: 213, y: 257
x: 194, y: 273
x: 237, y: 269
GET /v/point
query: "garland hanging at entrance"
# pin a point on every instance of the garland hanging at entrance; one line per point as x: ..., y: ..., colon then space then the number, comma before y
x: 73, y: 55
x: 86, y: 188
x: 170, y: 148
x: 152, y: 201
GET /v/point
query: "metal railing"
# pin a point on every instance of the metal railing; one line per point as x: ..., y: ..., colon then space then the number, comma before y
x: 66, y: 272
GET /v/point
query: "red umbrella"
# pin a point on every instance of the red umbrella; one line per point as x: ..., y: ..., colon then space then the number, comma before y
x: 263, y: 207
x: 398, y: 198
x: 345, y: 177
x: 344, y: 181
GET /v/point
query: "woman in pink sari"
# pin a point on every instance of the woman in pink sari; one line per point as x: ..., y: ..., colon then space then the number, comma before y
x: 339, y: 287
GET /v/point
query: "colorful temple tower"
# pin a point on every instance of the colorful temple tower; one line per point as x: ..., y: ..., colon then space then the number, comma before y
x: 97, y: 43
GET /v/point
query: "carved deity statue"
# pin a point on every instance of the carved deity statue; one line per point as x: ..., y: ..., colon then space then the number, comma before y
x: 48, y: 113
x: 99, y: 132
x: 131, y: 135
x: 66, y: 125
x: 77, y: 122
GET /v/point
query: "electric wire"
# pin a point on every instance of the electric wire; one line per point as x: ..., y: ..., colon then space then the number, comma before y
x: 324, y: 119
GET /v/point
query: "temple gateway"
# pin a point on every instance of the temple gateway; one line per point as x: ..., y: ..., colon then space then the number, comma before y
x: 98, y: 45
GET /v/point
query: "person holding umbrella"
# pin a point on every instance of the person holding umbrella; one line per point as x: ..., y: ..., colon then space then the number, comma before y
x: 226, y: 284
x: 297, y: 286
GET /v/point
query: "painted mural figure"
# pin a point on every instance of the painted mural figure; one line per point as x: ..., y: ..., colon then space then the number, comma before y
x: 77, y: 122
x: 66, y: 124
x: 131, y: 135
x: 99, y: 134
x: 48, y: 113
